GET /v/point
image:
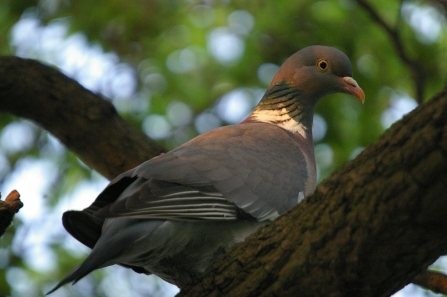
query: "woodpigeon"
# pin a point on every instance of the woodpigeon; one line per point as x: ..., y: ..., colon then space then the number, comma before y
x: 174, y: 214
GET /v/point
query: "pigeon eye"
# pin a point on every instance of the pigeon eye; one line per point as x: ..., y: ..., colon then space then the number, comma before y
x: 322, y: 65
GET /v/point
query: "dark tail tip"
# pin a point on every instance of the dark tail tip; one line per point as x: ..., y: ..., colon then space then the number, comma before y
x: 60, y: 284
x: 73, y: 277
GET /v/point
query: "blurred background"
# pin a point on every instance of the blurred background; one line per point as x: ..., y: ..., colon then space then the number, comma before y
x: 177, y: 68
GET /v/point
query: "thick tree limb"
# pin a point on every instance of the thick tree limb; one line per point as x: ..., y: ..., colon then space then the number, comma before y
x: 86, y: 124
x: 8, y: 209
x: 368, y: 230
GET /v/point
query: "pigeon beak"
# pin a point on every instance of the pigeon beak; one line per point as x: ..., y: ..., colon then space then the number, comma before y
x: 352, y: 87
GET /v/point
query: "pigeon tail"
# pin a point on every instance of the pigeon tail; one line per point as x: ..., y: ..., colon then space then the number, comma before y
x: 111, y: 246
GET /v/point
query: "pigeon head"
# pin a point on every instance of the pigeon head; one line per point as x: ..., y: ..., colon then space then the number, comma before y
x: 303, y: 79
x: 317, y: 71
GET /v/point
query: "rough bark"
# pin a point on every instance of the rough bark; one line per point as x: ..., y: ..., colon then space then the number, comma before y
x: 367, y: 231
x: 83, y: 121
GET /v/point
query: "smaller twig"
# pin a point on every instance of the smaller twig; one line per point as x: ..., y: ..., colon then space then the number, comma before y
x: 8, y: 209
x: 432, y: 280
x: 416, y: 69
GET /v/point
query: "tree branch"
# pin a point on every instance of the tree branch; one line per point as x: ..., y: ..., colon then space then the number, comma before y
x: 415, y: 68
x: 8, y: 209
x: 84, y: 122
x: 368, y: 230
x: 432, y: 280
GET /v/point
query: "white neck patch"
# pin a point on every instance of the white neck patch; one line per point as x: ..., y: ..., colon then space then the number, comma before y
x: 281, y: 119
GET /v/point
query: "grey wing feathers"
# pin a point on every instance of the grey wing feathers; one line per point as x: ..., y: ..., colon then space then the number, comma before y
x: 155, y: 199
x: 257, y: 169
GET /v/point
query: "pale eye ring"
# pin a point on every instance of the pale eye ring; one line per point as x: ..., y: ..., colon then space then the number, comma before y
x: 323, y: 65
